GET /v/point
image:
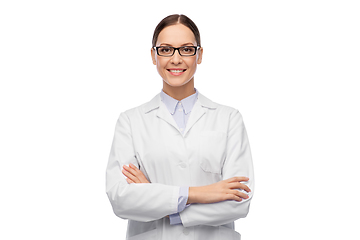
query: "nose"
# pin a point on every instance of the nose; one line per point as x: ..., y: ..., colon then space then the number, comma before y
x: 176, y: 58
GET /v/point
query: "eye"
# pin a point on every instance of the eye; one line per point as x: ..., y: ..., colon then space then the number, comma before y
x: 165, y: 50
x: 187, y: 50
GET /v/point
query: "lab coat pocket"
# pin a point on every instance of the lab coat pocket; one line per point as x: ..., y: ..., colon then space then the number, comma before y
x: 212, y: 151
x: 149, y: 235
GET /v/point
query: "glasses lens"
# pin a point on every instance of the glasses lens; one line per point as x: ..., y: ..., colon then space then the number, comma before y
x: 187, y: 51
x: 165, y: 51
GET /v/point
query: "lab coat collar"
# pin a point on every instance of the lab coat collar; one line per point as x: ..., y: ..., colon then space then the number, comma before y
x: 156, y: 101
x: 171, y: 103
x: 200, y: 108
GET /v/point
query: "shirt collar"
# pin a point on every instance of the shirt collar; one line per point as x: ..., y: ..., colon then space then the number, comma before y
x: 171, y: 103
x: 202, y: 100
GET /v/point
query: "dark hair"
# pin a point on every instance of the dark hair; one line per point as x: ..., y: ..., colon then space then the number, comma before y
x: 173, y: 20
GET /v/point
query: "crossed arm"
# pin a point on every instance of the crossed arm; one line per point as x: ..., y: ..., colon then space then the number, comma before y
x: 216, y: 192
x: 133, y: 201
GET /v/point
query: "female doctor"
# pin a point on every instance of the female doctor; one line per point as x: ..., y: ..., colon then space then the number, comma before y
x: 180, y: 165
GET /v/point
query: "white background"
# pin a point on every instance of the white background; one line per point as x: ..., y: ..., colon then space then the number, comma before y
x: 68, y: 68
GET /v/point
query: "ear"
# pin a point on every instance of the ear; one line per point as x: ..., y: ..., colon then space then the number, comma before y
x: 200, y: 53
x: 153, y: 56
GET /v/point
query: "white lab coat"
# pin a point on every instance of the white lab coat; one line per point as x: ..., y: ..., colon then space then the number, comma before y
x: 214, y: 147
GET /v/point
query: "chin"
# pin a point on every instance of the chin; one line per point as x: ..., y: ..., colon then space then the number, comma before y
x: 176, y: 83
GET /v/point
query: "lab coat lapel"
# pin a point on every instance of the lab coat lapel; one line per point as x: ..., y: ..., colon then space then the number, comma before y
x: 164, y: 114
x: 200, y: 108
x: 161, y: 112
x: 196, y: 113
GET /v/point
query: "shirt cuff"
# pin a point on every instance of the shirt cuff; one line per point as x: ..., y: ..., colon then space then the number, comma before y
x: 183, y: 197
x: 175, y: 219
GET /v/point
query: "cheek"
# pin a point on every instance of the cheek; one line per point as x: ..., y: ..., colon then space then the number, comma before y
x: 191, y: 64
x: 161, y: 64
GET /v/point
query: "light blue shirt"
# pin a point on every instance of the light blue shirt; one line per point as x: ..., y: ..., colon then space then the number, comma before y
x: 180, y: 110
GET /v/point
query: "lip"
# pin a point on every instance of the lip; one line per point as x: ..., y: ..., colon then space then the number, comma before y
x: 176, y: 74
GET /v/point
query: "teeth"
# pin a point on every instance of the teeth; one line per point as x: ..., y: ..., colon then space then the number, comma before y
x: 176, y: 71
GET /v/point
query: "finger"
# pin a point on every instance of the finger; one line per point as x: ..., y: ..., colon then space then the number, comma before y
x: 237, y: 185
x: 241, y: 179
x: 135, y: 175
x: 139, y: 174
x: 143, y: 179
x: 127, y: 173
x: 136, y: 172
x: 133, y: 166
x: 234, y: 197
x: 239, y: 194
x: 131, y: 176
x: 238, y: 179
x: 135, y: 169
x: 129, y: 180
x: 130, y: 170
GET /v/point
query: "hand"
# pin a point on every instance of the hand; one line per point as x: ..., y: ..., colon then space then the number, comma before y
x: 133, y: 174
x: 220, y: 191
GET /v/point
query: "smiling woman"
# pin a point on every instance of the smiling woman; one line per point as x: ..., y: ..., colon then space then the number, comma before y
x: 180, y: 165
x: 177, y: 68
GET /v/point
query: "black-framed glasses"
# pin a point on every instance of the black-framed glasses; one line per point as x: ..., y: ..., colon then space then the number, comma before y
x: 185, y: 51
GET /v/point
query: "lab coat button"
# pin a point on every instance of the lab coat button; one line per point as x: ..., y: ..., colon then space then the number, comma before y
x: 186, y: 231
x: 183, y: 165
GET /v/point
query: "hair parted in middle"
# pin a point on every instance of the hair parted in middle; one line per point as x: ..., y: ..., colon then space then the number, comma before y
x: 173, y: 20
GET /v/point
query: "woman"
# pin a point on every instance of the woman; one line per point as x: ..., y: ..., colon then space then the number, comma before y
x: 180, y: 165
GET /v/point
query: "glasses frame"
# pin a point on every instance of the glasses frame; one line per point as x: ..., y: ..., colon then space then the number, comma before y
x: 178, y: 49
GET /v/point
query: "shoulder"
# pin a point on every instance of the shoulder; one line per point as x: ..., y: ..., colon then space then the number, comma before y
x: 143, y: 108
x: 222, y: 109
x: 229, y: 114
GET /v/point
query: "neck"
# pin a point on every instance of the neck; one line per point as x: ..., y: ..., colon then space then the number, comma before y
x: 179, y: 92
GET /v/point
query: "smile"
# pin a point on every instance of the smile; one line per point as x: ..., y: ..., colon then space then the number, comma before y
x: 176, y: 72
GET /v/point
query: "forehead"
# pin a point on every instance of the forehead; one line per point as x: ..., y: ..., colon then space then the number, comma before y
x: 176, y: 35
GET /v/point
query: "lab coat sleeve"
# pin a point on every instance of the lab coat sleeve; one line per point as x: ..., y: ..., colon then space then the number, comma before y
x: 137, y: 201
x: 238, y: 162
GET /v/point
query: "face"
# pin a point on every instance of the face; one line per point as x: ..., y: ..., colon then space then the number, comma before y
x: 176, y: 36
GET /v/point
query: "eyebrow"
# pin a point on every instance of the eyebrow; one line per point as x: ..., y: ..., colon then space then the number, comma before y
x: 185, y: 44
